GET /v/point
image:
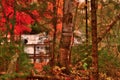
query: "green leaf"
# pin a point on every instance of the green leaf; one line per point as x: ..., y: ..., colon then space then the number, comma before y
x: 85, y: 66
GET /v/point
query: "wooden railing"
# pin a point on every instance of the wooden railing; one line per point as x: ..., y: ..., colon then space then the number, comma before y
x: 40, y: 56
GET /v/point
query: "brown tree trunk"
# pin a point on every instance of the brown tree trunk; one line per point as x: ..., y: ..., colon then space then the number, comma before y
x: 67, y: 33
x: 55, y: 32
x: 94, y: 72
x: 86, y: 14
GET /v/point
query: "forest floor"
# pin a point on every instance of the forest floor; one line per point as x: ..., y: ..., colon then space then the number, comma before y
x: 77, y: 73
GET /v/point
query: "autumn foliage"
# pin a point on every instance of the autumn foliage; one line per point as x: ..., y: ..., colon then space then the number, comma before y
x: 20, y: 15
x: 23, y: 20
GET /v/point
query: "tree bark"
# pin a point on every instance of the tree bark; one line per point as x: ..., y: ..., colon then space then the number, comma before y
x: 67, y: 33
x: 86, y: 14
x: 55, y: 32
x: 94, y: 72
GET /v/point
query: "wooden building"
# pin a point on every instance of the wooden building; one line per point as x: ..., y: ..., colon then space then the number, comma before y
x: 37, y: 46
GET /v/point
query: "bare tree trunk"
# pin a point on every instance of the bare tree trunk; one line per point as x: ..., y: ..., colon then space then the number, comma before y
x: 86, y: 14
x: 55, y: 32
x: 67, y: 33
x: 94, y: 72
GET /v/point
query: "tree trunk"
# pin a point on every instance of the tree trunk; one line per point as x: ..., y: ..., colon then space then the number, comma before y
x: 55, y: 32
x: 67, y: 33
x: 12, y: 64
x: 86, y: 14
x: 94, y: 72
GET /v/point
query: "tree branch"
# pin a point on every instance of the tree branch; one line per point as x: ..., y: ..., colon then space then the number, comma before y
x: 109, y: 27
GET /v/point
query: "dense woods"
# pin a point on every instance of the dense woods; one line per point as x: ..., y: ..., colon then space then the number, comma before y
x: 81, y: 39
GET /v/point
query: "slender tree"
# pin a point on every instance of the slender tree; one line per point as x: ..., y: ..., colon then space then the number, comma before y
x: 86, y: 14
x: 94, y: 75
x: 55, y: 31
